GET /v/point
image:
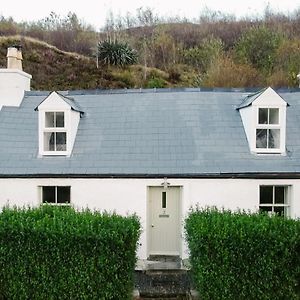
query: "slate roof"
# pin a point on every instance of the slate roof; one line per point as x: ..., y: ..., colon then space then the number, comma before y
x: 250, y: 98
x: 147, y: 133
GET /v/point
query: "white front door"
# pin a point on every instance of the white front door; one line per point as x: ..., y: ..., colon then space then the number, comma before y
x: 164, y: 221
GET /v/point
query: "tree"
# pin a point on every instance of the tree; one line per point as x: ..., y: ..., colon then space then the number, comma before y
x: 288, y: 62
x: 116, y: 53
x: 202, y: 56
x: 257, y: 46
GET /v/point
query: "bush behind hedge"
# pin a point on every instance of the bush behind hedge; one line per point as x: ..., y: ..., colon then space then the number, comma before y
x: 58, y: 253
x: 243, y: 256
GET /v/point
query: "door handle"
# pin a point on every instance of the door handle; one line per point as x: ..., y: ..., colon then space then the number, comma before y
x: 152, y: 225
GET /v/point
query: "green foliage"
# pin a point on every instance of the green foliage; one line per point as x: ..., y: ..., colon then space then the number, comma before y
x: 156, y: 82
x: 203, y: 55
x: 116, y: 53
x: 125, y: 77
x: 58, y: 253
x: 287, y: 60
x: 226, y: 73
x: 257, y: 47
x: 244, y: 256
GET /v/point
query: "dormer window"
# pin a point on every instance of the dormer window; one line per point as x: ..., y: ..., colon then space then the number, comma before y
x: 55, y: 134
x: 264, y: 119
x: 58, y: 123
x: 268, y: 129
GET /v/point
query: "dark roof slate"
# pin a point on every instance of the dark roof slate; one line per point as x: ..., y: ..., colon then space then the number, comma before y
x: 151, y: 133
x: 250, y: 98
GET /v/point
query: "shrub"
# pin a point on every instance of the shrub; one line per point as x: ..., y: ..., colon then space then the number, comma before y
x: 58, y: 253
x: 202, y: 56
x: 243, y: 256
x: 226, y: 73
x: 258, y: 47
x: 116, y: 53
x: 156, y: 82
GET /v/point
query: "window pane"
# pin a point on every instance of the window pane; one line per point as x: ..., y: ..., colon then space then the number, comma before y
x: 279, y: 210
x: 267, y: 209
x: 266, y: 194
x: 48, y: 194
x: 274, y: 116
x: 60, y: 119
x: 263, y: 116
x: 274, y: 138
x: 63, y: 194
x: 261, y: 138
x: 49, y: 141
x: 164, y: 200
x: 49, y: 119
x: 61, y: 141
x: 279, y: 194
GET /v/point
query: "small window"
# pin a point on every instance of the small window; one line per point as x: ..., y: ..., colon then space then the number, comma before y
x: 54, y: 119
x: 268, y: 138
x: 164, y: 200
x: 55, y: 134
x: 55, y: 141
x: 274, y: 199
x: 56, y: 194
x: 268, y: 116
x: 268, y: 129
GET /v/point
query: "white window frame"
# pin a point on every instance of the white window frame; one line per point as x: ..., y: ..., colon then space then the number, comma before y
x: 54, y: 203
x: 278, y: 126
x: 45, y: 129
x: 287, y: 199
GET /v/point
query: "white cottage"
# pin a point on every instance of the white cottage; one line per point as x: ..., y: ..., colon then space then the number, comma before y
x: 155, y: 152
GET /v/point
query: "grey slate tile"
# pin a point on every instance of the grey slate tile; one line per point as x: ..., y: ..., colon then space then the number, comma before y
x: 147, y: 132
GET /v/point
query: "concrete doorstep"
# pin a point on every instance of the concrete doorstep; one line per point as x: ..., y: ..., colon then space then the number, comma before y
x: 162, y: 279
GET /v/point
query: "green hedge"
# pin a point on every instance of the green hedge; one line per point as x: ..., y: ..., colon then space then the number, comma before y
x: 243, y: 256
x: 58, y: 253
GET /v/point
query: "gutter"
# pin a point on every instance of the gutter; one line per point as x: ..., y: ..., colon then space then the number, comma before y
x: 287, y: 175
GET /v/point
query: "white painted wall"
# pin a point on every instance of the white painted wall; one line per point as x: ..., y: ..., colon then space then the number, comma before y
x: 13, y: 83
x: 128, y: 196
x: 14, y: 78
x: 248, y: 115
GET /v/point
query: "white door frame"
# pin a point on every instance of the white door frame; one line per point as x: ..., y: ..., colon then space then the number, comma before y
x: 148, y: 219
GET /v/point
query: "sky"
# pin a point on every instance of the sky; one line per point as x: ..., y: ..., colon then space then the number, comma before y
x: 95, y: 12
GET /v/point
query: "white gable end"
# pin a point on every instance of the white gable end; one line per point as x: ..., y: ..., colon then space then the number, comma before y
x: 54, y: 102
x: 269, y: 98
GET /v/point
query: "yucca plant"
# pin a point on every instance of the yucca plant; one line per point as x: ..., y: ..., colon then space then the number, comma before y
x: 116, y: 53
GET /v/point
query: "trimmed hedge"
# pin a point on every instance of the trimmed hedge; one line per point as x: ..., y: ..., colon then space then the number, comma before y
x: 243, y: 256
x: 58, y: 253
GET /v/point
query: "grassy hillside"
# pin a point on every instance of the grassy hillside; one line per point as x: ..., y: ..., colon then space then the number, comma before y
x: 215, y: 51
x: 53, y: 69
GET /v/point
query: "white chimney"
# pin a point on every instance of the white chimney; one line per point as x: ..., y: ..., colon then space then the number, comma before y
x: 14, y: 58
x: 13, y: 81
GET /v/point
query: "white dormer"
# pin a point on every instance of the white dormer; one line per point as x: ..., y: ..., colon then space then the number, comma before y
x: 264, y: 119
x: 58, y: 123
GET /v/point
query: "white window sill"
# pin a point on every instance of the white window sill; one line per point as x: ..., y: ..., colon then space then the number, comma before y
x: 55, y: 153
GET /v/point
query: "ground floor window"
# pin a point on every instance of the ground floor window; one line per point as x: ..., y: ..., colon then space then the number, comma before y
x: 274, y: 199
x: 56, y: 194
